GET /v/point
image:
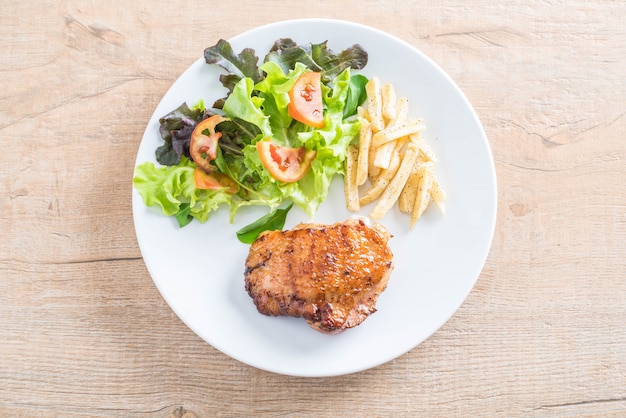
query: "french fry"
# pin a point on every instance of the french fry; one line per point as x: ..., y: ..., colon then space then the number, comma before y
x: 363, y: 113
x: 383, y: 154
x: 402, y: 110
x: 375, y: 103
x: 365, y: 138
x: 426, y: 151
x: 372, y: 171
x: 406, y: 200
x: 390, y: 133
x: 389, y: 102
x: 381, y: 182
x: 437, y: 195
x: 350, y: 188
x: 392, y: 191
x: 422, y: 198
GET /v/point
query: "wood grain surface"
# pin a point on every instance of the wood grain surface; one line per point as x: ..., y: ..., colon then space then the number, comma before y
x: 84, y: 331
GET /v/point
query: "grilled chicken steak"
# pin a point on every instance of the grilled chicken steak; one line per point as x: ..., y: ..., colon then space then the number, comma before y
x: 330, y: 275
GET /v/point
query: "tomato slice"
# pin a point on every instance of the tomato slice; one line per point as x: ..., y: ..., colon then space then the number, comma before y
x: 214, y: 181
x: 203, y: 145
x: 305, y: 100
x: 284, y: 163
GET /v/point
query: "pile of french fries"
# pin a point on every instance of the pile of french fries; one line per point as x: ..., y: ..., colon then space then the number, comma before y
x: 391, y: 162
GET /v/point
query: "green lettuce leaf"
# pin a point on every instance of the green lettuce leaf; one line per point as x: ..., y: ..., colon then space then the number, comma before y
x: 243, y: 105
x: 273, y: 221
x: 356, y: 95
x: 173, y: 189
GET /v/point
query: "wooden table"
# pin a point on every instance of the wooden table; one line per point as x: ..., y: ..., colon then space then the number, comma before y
x: 84, y: 331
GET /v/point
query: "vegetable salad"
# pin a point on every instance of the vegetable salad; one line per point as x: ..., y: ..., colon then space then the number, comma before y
x: 278, y: 137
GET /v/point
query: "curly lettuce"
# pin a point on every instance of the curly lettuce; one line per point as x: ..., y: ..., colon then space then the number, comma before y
x: 173, y: 189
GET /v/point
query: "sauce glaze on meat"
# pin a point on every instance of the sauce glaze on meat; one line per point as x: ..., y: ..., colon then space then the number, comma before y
x: 330, y: 275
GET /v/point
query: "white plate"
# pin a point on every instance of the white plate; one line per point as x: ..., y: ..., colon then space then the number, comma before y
x: 199, y: 269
